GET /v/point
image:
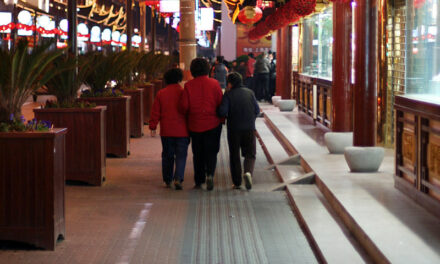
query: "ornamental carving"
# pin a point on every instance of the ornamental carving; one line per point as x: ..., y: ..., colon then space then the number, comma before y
x: 408, y: 147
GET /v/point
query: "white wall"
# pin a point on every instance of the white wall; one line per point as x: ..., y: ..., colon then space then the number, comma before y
x: 228, y: 46
x: 274, y: 41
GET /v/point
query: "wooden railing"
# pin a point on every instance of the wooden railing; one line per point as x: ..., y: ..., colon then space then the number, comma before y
x: 304, y: 86
x: 418, y: 150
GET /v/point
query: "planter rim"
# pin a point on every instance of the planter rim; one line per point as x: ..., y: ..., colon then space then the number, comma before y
x: 119, y: 98
x: 34, y: 134
x: 97, y: 108
x: 137, y: 90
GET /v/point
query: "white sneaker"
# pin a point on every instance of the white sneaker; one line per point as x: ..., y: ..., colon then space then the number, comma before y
x: 248, y: 180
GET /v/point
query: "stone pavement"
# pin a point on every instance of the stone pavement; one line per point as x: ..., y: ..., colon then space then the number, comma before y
x: 134, y: 219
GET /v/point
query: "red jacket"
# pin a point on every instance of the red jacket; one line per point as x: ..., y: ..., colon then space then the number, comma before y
x: 250, y: 67
x: 166, y: 111
x: 199, y: 103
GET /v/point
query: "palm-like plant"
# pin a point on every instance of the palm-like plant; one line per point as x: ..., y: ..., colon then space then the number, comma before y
x: 22, y: 72
x: 153, y: 65
x: 65, y: 85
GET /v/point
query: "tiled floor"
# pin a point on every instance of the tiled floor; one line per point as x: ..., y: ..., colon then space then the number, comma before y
x: 134, y: 219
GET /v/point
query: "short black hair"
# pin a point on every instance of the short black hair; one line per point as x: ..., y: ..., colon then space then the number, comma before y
x: 173, y: 76
x: 220, y: 59
x: 235, y: 79
x: 251, y: 55
x: 199, y: 67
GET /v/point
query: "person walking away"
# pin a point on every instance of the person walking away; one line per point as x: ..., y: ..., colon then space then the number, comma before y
x: 219, y: 72
x: 262, y: 70
x: 272, y: 75
x: 200, y: 100
x: 249, y: 82
x: 173, y: 129
x: 241, y: 68
x: 240, y: 107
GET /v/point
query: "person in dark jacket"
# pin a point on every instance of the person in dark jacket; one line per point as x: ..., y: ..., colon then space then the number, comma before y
x: 262, y: 70
x: 240, y: 107
x: 199, y: 102
x: 219, y: 71
x: 173, y: 128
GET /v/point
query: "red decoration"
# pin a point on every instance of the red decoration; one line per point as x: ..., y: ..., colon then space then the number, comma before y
x: 340, y: 1
x: 302, y: 7
x: 165, y: 15
x: 250, y: 14
x: 418, y: 3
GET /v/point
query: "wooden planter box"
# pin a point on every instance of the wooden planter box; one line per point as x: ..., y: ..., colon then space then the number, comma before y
x: 117, y: 123
x: 158, y: 84
x: 32, y: 175
x: 136, y: 112
x: 85, y: 141
x: 148, y: 96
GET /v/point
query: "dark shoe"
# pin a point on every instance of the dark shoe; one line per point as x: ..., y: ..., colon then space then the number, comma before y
x: 197, y: 186
x: 178, y: 185
x: 167, y: 184
x: 236, y: 187
x: 248, y: 180
x: 209, y: 183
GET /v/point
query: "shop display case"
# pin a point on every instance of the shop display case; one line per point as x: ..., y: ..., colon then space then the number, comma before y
x: 313, y: 84
x: 418, y: 111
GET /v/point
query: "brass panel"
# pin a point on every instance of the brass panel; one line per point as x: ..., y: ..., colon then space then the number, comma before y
x: 409, y: 147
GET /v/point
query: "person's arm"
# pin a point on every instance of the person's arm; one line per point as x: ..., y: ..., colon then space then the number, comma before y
x: 223, y: 109
x: 184, y: 101
x: 155, y: 115
x: 256, y: 106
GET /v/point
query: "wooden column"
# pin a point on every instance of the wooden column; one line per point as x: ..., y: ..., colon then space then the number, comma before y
x: 72, y: 30
x: 342, y: 94
x: 280, y: 71
x: 187, y: 41
x: 142, y: 29
x: 286, y: 47
x: 129, y: 18
x: 365, y: 90
x: 153, y: 30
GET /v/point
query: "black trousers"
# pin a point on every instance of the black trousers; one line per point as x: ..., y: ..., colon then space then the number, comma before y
x: 205, y: 147
x: 262, y: 87
x: 246, y: 142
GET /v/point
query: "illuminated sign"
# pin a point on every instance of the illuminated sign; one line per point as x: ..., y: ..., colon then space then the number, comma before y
x: 95, y: 34
x: 206, y: 22
x: 169, y: 6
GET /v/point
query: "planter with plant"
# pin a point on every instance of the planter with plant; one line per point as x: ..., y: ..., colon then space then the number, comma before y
x: 32, y: 154
x: 126, y: 79
x: 85, y: 140
x: 98, y: 72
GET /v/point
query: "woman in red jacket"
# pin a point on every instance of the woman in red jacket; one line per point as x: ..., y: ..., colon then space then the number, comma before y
x: 173, y: 128
x: 199, y: 103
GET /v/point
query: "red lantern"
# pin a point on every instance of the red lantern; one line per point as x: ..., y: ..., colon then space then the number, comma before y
x: 250, y: 14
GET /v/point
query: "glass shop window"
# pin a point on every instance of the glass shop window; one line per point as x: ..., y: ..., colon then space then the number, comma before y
x: 423, y: 47
x: 317, y: 44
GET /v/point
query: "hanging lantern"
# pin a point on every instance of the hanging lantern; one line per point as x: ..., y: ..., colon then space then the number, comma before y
x: 250, y: 15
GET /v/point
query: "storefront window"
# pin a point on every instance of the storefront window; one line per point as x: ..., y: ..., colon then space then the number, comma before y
x: 317, y: 44
x: 423, y: 47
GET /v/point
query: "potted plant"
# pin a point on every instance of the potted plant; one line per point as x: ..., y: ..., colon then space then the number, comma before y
x: 85, y: 140
x: 32, y: 155
x: 125, y: 79
x: 101, y: 70
x: 143, y: 81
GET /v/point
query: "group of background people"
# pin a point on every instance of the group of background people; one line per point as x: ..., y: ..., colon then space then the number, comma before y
x: 259, y: 73
x: 196, y: 114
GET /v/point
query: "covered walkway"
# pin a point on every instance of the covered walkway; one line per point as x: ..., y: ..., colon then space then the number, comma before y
x: 133, y: 218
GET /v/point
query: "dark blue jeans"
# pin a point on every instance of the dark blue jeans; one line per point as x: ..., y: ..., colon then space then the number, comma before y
x: 174, y: 149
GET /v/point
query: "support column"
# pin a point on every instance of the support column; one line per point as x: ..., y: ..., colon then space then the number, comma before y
x: 280, y: 71
x: 286, y: 63
x: 142, y: 29
x: 72, y: 28
x: 129, y: 17
x: 187, y: 41
x: 365, y: 91
x: 153, y: 30
x: 342, y: 94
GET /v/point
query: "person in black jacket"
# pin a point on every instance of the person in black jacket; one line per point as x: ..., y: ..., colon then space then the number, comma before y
x: 240, y: 107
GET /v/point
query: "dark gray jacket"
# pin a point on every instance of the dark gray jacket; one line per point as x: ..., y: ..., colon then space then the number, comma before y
x: 262, y: 65
x: 240, y: 108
